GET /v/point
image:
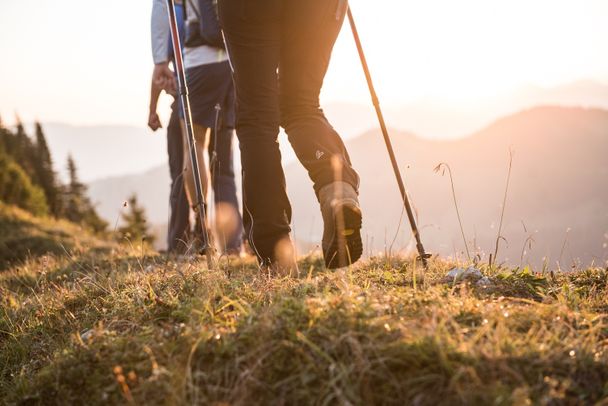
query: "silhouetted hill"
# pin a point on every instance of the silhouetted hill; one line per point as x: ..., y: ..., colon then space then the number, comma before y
x: 151, y: 187
x: 558, y: 183
x: 435, y: 119
x: 103, y: 151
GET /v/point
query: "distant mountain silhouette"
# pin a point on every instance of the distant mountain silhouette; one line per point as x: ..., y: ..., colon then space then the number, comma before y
x: 558, y: 183
x: 151, y: 187
x: 104, y: 151
x: 432, y: 119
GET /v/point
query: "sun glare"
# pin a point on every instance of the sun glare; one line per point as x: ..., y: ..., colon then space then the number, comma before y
x: 469, y: 50
x: 435, y: 51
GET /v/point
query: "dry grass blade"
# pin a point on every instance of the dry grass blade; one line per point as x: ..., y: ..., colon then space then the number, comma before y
x: 502, y: 213
x: 441, y: 168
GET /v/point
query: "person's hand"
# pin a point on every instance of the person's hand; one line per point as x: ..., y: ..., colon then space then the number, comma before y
x: 154, y: 121
x: 163, y: 77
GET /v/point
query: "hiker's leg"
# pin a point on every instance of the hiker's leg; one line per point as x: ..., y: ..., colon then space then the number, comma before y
x: 252, y: 31
x: 228, y: 218
x: 179, y: 217
x: 310, y: 29
x: 201, y: 134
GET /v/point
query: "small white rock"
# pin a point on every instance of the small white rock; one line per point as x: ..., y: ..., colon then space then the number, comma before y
x: 484, y: 282
x: 455, y: 273
x: 461, y: 273
x: 87, y: 335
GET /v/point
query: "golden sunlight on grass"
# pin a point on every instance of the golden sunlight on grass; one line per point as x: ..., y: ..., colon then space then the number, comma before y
x: 98, y: 329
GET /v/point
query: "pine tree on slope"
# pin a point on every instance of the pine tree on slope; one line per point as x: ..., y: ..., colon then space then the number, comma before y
x: 78, y: 207
x: 46, y: 176
x: 135, y: 227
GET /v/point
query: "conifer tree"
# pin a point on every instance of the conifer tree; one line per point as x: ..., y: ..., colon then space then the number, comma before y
x: 45, y: 175
x: 78, y: 208
x: 4, y: 133
x: 16, y: 186
x: 6, y: 141
x: 135, y: 225
x: 74, y: 194
x: 10, y: 144
x: 24, y: 151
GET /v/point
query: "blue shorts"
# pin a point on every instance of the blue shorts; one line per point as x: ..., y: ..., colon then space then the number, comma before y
x: 209, y: 85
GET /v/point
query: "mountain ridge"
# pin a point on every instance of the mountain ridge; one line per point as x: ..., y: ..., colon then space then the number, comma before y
x: 478, y: 162
x: 548, y: 196
x: 133, y: 149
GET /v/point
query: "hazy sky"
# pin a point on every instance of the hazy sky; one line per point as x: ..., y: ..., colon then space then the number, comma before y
x: 86, y: 62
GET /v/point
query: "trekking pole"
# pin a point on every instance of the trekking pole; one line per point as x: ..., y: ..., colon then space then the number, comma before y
x: 207, y: 248
x: 423, y: 256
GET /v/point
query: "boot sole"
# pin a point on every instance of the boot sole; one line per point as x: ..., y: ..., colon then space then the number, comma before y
x: 345, y: 247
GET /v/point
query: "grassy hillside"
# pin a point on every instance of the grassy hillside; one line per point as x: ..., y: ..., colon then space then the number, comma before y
x: 117, y: 328
x: 24, y: 236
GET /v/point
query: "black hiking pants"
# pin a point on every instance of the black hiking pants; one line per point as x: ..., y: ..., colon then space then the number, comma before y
x: 179, y: 214
x: 280, y: 52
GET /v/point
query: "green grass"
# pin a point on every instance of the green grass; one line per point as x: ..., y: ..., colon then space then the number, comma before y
x: 24, y: 236
x: 120, y: 327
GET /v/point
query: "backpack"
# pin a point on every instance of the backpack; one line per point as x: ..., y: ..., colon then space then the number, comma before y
x: 205, y: 28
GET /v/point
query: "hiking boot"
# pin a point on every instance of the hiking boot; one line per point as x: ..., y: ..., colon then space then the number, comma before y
x: 341, y: 243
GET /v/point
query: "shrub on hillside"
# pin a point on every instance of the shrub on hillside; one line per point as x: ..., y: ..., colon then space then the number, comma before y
x: 17, y: 188
x: 135, y: 227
